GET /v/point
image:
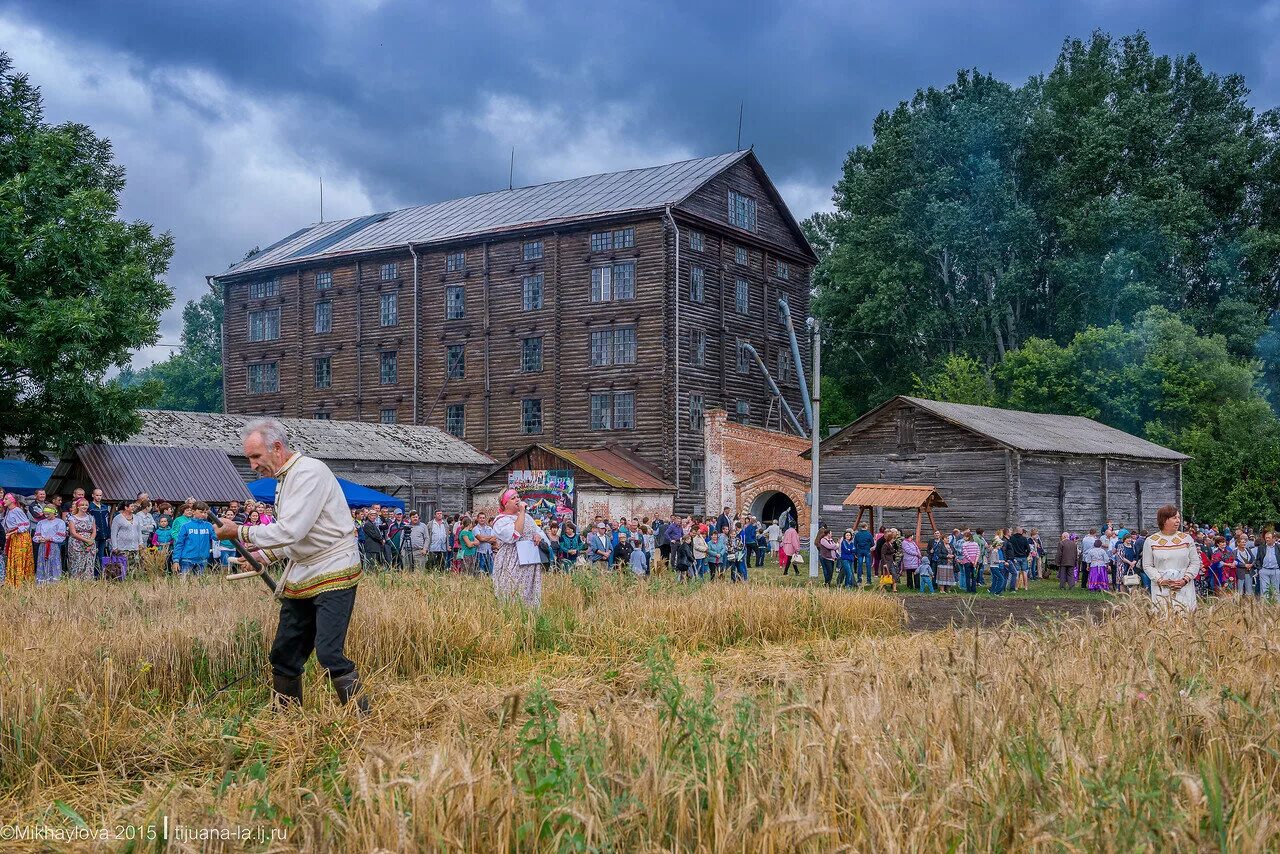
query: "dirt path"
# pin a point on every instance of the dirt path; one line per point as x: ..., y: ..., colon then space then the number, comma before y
x: 928, y: 613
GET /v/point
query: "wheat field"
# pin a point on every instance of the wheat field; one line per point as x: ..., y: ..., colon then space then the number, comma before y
x: 632, y: 716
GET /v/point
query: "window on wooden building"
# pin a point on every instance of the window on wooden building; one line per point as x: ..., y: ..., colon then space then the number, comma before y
x: 740, y: 256
x: 744, y: 357
x: 531, y: 355
x: 455, y: 262
x: 264, y: 378
x: 742, y: 297
x: 622, y: 238
x: 613, y: 347
x: 906, y: 431
x: 533, y: 250
x: 697, y: 473
x: 322, y: 416
x: 387, y: 416
x: 784, y: 366
x: 455, y: 362
x: 533, y: 292
x: 696, y: 242
x: 610, y: 282
x: 784, y: 270
x: 324, y: 280
x: 389, y: 309
x: 697, y: 284
x: 265, y: 288
x: 324, y: 371
x: 324, y: 316
x: 388, y: 368
x: 390, y: 272
x: 613, y: 411
x: 699, y: 355
x: 742, y: 211
x: 743, y: 412
x: 455, y: 306
x: 455, y: 419
x: 264, y: 325
x: 696, y: 412
x: 531, y: 415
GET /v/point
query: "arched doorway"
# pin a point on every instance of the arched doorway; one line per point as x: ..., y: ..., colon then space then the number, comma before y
x: 774, y: 506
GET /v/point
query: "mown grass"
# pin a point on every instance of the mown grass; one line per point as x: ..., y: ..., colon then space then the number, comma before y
x: 643, y: 716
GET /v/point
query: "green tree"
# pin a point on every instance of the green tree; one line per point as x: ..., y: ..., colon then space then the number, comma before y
x: 984, y: 215
x: 191, y: 378
x: 959, y: 379
x: 79, y: 288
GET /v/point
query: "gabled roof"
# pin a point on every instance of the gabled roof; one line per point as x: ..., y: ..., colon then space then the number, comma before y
x: 894, y: 496
x: 327, y: 440
x: 166, y: 474
x: 609, y: 466
x: 632, y: 190
x: 1032, y: 431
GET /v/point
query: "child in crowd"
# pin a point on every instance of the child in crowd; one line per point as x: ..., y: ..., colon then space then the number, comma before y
x: 925, y: 574
x: 224, y: 548
x: 995, y: 555
x: 163, y: 536
x: 684, y: 557
x: 193, y: 545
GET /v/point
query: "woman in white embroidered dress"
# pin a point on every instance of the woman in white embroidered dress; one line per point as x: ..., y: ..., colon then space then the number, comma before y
x: 1170, y: 560
x: 517, y: 567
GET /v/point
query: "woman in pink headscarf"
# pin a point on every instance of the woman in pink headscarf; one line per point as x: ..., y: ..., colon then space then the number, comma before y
x: 20, y: 564
x: 517, y: 567
x: 789, y: 549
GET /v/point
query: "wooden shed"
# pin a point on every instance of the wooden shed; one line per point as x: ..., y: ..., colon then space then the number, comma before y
x: 1001, y: 468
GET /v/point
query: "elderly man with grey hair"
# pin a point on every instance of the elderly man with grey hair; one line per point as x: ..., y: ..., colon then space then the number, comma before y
x: 314, y: 534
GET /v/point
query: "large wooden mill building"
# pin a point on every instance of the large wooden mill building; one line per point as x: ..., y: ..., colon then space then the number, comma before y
x: 606, y: 311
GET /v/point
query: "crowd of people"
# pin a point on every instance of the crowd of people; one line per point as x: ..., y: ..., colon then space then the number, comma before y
x: 85, y: 537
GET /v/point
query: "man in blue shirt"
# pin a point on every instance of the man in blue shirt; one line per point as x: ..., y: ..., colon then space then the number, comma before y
x: 862, y: 543
x: 193, y: 544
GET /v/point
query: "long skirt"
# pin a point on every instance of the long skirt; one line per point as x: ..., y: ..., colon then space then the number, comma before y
x: 1098, y: 579
x: 514, y: 580
x: 945, y: 575
x: 48, y: 563
x: 20, y: 564
x: 81, y: 558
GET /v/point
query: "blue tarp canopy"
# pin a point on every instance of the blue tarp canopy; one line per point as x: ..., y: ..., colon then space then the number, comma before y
x: 21, y: 476
x: 264, y: 489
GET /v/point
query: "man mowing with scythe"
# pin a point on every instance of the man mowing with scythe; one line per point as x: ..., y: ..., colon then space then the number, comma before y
x: 314, y: 533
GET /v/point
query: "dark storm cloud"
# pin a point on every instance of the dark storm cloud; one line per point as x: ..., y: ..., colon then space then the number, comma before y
x: 418, y: 101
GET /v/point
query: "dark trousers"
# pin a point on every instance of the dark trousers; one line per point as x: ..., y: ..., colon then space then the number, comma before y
x: 761, y: 550
x: 319, y: 623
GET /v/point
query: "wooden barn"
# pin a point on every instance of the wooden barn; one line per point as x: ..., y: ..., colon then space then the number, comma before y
x: 997, y: 468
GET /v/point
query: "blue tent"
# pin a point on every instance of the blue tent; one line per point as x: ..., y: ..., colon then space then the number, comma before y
x: 21, y: 476
x: 264, y: 489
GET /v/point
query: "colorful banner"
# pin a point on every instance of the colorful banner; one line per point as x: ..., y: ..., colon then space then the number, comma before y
x: 548, y: 492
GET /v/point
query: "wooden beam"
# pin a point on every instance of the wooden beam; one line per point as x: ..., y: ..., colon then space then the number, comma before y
x: 857, y: 521
x: 932, y: 524
x: 919, y: 518
x: 1106, y: 513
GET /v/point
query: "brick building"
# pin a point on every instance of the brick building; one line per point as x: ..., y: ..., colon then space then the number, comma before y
x: 607, y: 310
x: 756, y: 470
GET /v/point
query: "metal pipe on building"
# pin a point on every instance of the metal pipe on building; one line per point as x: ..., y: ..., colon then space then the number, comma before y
x: 222, y: 335
x: 815, y: 504
x: 795, y: 355
x: 416, y: 323
x: 791, y: 416
x: 675, y: 289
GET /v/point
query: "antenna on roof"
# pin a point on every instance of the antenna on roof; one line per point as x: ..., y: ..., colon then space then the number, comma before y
x: 322, y: 198
x: 738, y: 144
x: 511, y: 176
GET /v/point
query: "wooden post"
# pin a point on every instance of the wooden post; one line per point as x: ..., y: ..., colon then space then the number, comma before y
x: 932, y: 524
x: 1106, y: 513
x: 919, y: 518
x: 859, y: 519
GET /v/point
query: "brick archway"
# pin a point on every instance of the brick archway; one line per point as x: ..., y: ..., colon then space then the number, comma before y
x: 749, y: 491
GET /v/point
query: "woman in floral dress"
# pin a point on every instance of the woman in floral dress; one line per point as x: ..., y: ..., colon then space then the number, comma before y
x: 82, y: 550
x: 517, y: 567
x: 20, y: 564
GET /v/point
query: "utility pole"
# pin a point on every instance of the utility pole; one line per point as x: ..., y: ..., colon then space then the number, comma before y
x: 815, y: 505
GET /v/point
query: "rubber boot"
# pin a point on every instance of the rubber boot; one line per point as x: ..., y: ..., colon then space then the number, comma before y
x: 349, y: 687
x: 287, y: 691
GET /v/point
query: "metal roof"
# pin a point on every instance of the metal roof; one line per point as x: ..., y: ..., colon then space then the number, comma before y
x: 895, y: 496
x: 166, y: 474
x: 326, y: 440
x: 612, y: 467
x: 1036, y: 431
x: 543, y: 204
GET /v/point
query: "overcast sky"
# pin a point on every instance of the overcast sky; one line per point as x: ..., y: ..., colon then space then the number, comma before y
x: 226, y: 113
